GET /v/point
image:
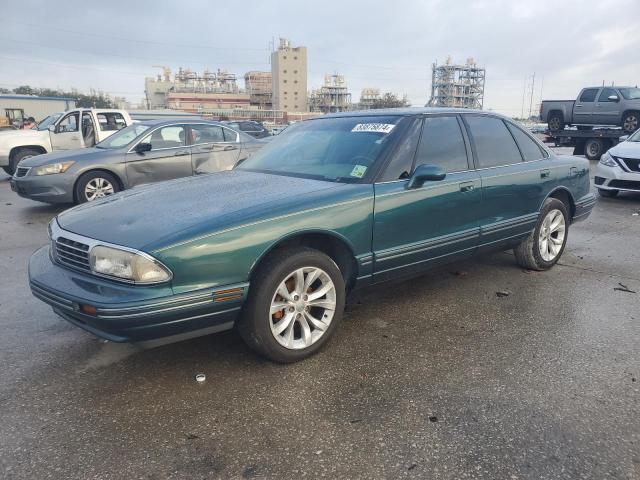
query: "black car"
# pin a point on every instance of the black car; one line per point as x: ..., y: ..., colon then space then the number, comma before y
x: 255, y: 129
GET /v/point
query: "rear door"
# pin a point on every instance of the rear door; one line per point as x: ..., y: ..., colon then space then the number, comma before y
x: 169, y: 157
x: 585, y: 105
x: 214, y: 148
x: 516, y: 177
x: 607, y: 111
x: 67, y: 134
x: 417, y: 228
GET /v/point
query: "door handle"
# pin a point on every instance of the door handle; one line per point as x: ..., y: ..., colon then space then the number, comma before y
x: 573, y: 171
x: 228, y: 148
x: 545, y: 173
x: 181, y: 153
x: 75, y: 138
x: 466, y: 187
x: 578, y: 106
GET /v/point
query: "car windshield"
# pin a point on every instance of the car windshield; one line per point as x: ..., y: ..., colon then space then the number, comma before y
x: 630, y: 93
x: 50, y: 120
x: 343, y: 149
x: 124, y: 137
x: 635, y: 137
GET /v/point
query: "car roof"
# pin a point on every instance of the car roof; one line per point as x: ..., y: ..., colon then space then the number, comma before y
x: 407, y: 111
x: 609, y: 86
x: 173, y: 121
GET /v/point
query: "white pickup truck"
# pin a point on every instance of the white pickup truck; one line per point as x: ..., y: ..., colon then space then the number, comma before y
x: 78, y: 128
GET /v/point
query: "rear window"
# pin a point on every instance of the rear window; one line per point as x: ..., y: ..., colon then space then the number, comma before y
x: 589, y: 95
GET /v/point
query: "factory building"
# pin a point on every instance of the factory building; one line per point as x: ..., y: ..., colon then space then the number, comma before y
x: 289, y: 77
x: 460, y: 86
x: 368, y: 97
x: 333, y: 96
x: 259, y: 87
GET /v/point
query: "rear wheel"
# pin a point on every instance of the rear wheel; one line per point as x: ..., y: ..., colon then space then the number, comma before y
x: 94, y: 185
x: 555, y: 122
x: 630, y: 122
x: 295, y: 303
x: 608, y: 193
x: 544, y: 246
x: 594, y: 148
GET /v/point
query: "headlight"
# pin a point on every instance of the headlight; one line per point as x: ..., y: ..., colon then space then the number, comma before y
x: 51, y: 169
x: 607, y: 159
x: 131, y: 266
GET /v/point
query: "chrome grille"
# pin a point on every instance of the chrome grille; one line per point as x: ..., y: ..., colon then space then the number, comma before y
x: 71, y: 253
x: 22, y: 171
x: 632, y: 164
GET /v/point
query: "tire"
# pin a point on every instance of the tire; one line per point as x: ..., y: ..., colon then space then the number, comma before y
x: 260, y: 328
x: 529, y: 252
x: 555, y: 122
x: 22, y: 154
x: 630, y: 122
x: 104, y: 184
x: 608, y: 193
x: 594, y: 148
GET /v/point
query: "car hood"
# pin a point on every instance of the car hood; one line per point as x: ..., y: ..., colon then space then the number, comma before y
x: 80, y: 155
x: 24, y: 135
x: 157, y: 215
x: 626, y: 150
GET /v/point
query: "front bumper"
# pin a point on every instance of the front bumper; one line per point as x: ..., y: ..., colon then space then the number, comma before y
x: 130, y: 313
x: 56, y: 188
x: 615, y: 178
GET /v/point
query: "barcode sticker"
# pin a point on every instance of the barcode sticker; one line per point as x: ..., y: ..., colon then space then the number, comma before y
x: 373, y: 127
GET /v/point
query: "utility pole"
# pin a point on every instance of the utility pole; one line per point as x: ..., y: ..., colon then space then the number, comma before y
x: 524, y: 93
x: 533, y: 84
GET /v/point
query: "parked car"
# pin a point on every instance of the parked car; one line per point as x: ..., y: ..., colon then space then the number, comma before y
x: 334, y: 203
x: 144, y: 152
x: 255, y: 129
x: 619, y: 106
x: 619, y: 168
x: 79, y: 128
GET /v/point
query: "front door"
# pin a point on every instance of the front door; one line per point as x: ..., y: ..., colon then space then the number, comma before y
x: 584, y: 106
x: 213, y: 148
x: 516, y: 178
x: 169, y: 157
x: 417, y: 228
x: 67, y: 134
x: 607, y: 111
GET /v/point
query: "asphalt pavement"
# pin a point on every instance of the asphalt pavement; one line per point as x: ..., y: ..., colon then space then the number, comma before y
x: 437, y: 377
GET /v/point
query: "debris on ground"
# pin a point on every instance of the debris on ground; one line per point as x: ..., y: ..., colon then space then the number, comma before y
x: 200, y: 377
x: 433, y: 418
x: 191, y: 436
x: 623, y: 288
x: 412, y: 466
x: 459, y: 273
x: 318, y: 452
x: 502, y: 294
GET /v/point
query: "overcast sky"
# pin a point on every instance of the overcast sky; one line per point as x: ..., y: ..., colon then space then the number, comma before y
x: 112, y: 45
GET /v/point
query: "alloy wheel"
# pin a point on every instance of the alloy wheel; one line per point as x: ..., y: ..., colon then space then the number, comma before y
x: 97, y: 188
x: 551, y: 236
x: 630, y: 123
x: 302, y: 308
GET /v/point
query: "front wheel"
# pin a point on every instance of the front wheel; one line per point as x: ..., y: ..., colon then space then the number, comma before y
x: 295, y: 303
x: 630, y: 122
x: 594, y: 148
x: 542, y: 249
x: 94, y: 185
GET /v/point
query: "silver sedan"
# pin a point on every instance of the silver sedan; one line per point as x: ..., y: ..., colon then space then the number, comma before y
x: 144, y: 152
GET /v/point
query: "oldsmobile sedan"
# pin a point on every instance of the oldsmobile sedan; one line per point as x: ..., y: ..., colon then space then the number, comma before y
x: 334, y: 203
x: 146, y: 152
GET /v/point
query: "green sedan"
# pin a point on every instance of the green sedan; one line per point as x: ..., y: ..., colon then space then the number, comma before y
x: 272, y: 247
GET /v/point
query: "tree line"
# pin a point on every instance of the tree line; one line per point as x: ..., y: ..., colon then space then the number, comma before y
x: 92, y: 100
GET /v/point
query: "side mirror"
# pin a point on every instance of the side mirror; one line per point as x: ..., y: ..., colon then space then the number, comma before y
x: 623, y: 138
x: 613, y: 98
x: 52, y: 128
x: 425, y: 173
x: 143, y: 147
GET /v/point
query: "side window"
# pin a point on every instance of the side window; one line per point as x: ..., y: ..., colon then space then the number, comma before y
x: 206, y: 134
x: 399, y: 166
x: 166, y: 137
x: 230, y: 135
x: 442, y: 144
x: 110, y: 121
x: 494, y: 144
x: 589, y: 95
x: 606, y: 93
x: 530, y: 149
x: 249, y: 127
x: 69, y: 123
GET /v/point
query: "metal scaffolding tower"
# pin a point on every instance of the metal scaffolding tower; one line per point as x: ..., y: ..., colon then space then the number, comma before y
x: 333, y: 96
x: 460, y: 86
